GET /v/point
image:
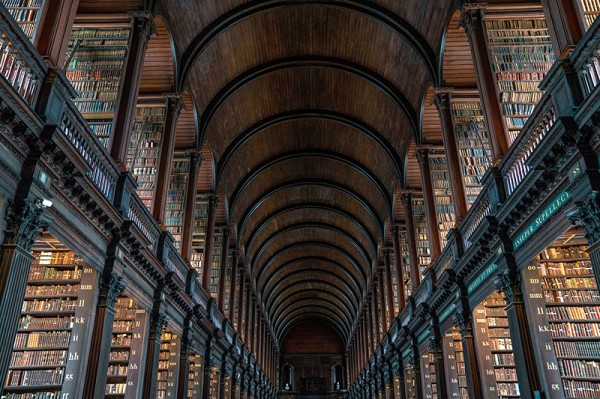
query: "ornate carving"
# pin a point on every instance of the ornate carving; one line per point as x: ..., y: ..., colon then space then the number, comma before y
x: 435, y: 344
x: 441, y: 97
x: 463, y: 321
x: 588, y: 213
x: 175, y: 103
x: 422, y: 155
x: 507, y: 284
x: 158, y: 321
x: 24, y: 222
x: 144, y: 22
x: 110, y: 289
x: 472, y: 16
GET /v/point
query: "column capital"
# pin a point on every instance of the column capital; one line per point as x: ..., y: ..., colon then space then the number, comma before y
x: 463, y: 321
x: 472, y: 16
x: 158, y: 322
x: 23, y: 222
x: 174, y: 102
x: 144, y: 21
x: 510, y: 284
x: 110, y: 287
x: 442, y: 96
x: 587, y: 212
x: 422, y: 155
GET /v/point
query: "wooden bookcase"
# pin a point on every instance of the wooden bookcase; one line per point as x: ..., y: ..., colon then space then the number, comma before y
x: 199, y: 233
x: 47, y: 354
x: 428, y: 375
x: 421, y: 234
x: 454, y: 363
x: 26, y: 13
x: 144, y: 149
x: 195, y: 376
x: 406, y: 263
x: 494, y: 348
x: 564, y: 304
x: 442, y: 195
x: 215, y: 264
x: 166, y: 378
x: 473, y: 143
x: 409, y: 379
x: 521, y: 54
x: 94, y: 66
x: 589, y: 10
x: 175, y: 205
x: 127, y: 344
x: 394, y: 282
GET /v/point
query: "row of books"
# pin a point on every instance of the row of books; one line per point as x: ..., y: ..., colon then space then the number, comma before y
x: 111, y: 76
x: 25, y: 378
x: 55, y: 258
x: 121, y: 339
x: 569, y: 282
x: 52, y: 290
x: 50, y: 358
x: 23, y: 3
x: 577, y: 349
x: 95, y: 85
x: 118, y: 356
x: 564, y: 268
x: 570, y: 330
x: 29, y: 322
x: 42, y: 340
x: 49, y: 305
x: 573, y: 312
x: 100, y: 33
x: 51, y: 273
x: 571, y: 296
x: 96, y: 96
x: 95, y: 106
x: 581, y: 389
x: 579, y: 368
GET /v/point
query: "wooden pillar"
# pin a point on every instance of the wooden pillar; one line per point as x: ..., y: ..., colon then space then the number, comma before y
x: 213, y: 201
x: 142, y: 28
x: 374, y: 330
x: 382, y: 298
x: 183, y: 376
x: 165, y: 161
x: 412, y: 240
x: 190, y: 205
x: 463, y: 319
x: 206, y: 368
x: 442, y: 102
x: 395, y: 229
x: 158, y: 321
x: 234, y: 285
x: 436, y: 347
x: 248, y: 320
x: 223, y: 271
x: 414, y: 359
x: 401, y: 382
x: 241, y: 306
x: 472, y: 20
x: 223, y: 377
x: 434, y: 235
x: 389, y: 286
x: 54, y: 31
x: 99, y: 350
x: 565, y: 26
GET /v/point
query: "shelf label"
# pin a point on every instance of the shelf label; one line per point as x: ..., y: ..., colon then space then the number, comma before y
x: 423, y: 336
x: 447, y: 312
x: 482, y: 277
x: 550, y: 210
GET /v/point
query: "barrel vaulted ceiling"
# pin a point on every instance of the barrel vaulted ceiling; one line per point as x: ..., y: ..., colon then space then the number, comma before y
x: 308, y: 108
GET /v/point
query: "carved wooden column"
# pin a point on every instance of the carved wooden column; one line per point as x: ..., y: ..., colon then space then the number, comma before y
x: 587, y: 212
x: 54, y: 31
x: 509, y: 282
x: 374, y: 318
x: 463, y: 319
x: 472, y: 20
x: 442, y: 102
x: 223, y: 377
x: 241, y: 306
x: 234, y: 285
x: 564, y: 25
x: 415, y: 274
x: 206, y: 368
x: 436, y: 347
x: 395, y: 229
x: 183, y: 377
x: 158, y: 321
x: 401, y: 383
x: 190, y: 205
x: 248, y: 319
x: 142, y: 28
x: 213, y: 201
x: 99, y: 351
x: 381, y: 302
x: 414, y: 360
x: 389, y: 286
x: 165, y: 162
x: 432, y: 226
x: 223, y: 272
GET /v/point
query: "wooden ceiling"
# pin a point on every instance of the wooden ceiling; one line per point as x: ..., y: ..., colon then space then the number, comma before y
x: 307, y: 113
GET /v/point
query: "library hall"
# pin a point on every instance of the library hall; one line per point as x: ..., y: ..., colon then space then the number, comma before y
x: 299, y: 199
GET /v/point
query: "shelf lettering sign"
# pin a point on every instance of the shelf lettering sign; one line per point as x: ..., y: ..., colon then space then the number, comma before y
x: 423, y: 336
x: 447, y: 312
x: 406, y: 352
x: 550, y: 210
x: 482, y: 277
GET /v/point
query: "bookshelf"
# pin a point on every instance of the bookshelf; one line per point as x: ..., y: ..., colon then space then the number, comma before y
x: 94, y: 66
x: 144, y: 149
x: 521, y: 54
x: 214, y: 377
x: 421, y: 234
x: 409, y: 380
x: 394, y: 283
x: 175, y: 206
x: 215, y: 264
x: 456, y: 378
x: 442, y: 195
x: 199, y: 233
x: 565, y: 307
x: 46, y: 356
x: 405, y: 254
x: 166, y: 378
x: 589, y: 10
x: 428, y: 374
x: 227, y: 300
x: 126, y: 347
x: 26, y: 13
x: 494, y: 350
x: 195, y: 376
x: 473, y: 143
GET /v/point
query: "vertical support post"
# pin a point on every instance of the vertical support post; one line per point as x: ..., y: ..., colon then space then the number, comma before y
x: 223, y: 271
x: 412, y: 240
x: 434, y: 236
x: 213, y: 201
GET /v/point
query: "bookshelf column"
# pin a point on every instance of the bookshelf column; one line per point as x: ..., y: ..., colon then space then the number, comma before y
x: 398, y: 266
x: 54, y: 31
x: 206, y: 368
x: 99, y: 351
x: 381, y: 302
x: 23, y: 219
x: 158, y: 321
x: 389, y: 285
x: 472, y: 20
x: 223, y: 271
x: 435, y: 346
x: 564, y: 25
x: 213, y: 200
x: 247, y: 318
x: 234, y: 272
x: 434, y: 236
x: 183, y: 378
x: 190, y: 204
x: 587, y: 212
x: 463, y: 319
x: 142, y: 28
x: 442, y: 102
x: 415, y: 274
x: 165, y: 162
x: 242, y: 300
